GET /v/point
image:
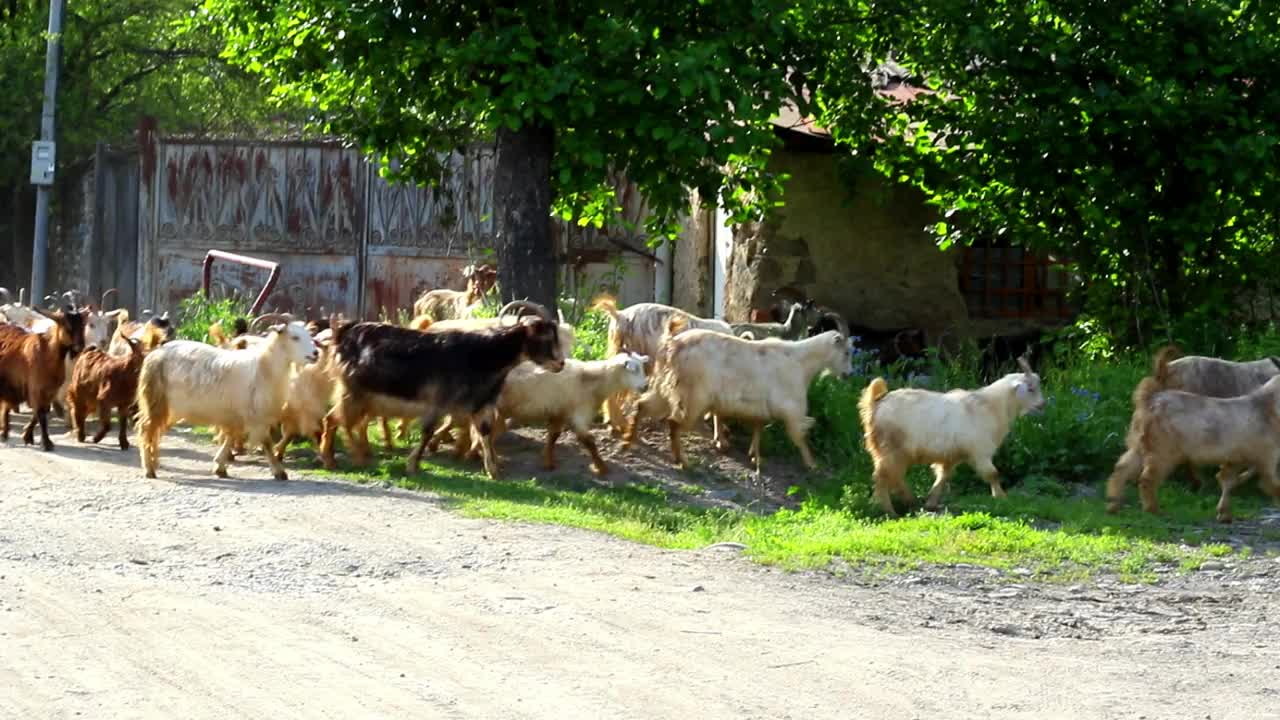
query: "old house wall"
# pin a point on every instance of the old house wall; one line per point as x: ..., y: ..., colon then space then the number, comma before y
x: 864, y: 253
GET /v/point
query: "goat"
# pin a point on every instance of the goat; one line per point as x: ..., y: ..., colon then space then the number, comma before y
x: 443, y: 304
x: 570, y: 397
x: 152, y: 333
x: 309, y: 396
x: 911, y: 426
x: 640, y: 329
x: 794, y: 327
x: 33, y: 367
x: 384, y: 370
x: 1211, y: 377
x: 757, y: 381
x: 238, y: 391
x: 1171, y: 427
x: 509, y: 314
x: 104, y: 383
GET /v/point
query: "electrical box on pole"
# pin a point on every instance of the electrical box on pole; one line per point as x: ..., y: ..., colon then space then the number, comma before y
x: 43, y: 153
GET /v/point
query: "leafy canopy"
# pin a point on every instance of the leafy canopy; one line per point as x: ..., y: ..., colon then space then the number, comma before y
x: 1137, y: 138
x: 674, y: 95
x: 121, y: 59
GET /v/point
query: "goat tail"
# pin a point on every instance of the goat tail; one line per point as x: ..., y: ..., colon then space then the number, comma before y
x: 153, y: 400
x: 1142, y: 395
x: 606, y: 303
x: 216, y: 336
x: 1160, y: 365
x: 871, y: 396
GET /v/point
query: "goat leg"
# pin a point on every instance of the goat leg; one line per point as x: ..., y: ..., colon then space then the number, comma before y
x: 429, y: 421
x: 554, y: 428
x: 597, y: 463
x: 277, y: 468
x: 387, y: 440
x: 677, y: 454
x: 4, y: 422
x: 45, y: 442
x: 484, y: 429
x: 124, y: 427
x: 283, y: 445
x: 104, y: 424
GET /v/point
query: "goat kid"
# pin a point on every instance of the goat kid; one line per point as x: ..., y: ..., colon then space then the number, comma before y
x: 571, y: 398
x: 104, y: 383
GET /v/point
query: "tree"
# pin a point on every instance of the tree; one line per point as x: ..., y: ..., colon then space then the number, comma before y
x: 121, y: 59
x: 673, y: 95
x: 1137, y: 138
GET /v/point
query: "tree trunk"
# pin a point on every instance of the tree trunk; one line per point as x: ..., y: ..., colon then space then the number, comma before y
x: 522, y: 204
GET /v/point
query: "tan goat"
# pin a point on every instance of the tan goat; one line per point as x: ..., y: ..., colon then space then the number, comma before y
x: 1171, y: 427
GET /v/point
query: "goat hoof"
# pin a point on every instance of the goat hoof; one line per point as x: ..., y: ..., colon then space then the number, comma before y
x: 220, y: 472
x: 600, y: 470
x: 282, y: 475
x: 47, y: 446
x: 124, y: 445
x: 150, y: 474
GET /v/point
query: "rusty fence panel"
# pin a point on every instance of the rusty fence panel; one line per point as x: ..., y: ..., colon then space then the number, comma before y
x: 345, y: 239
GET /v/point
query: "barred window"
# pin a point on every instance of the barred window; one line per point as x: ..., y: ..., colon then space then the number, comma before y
x: 999, y: 281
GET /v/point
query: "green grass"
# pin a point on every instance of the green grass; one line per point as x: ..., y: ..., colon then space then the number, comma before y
x: 1055, y: 537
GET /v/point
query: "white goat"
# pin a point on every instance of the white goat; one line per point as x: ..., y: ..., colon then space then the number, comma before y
x: 639, y: 329
x: 233, y: 390
x: 310, y: 397
x: 702, y: 371
x: 571, y: 397
x: 911, y: 426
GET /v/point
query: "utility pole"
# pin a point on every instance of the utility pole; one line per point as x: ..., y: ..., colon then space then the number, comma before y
x: 43, y: 155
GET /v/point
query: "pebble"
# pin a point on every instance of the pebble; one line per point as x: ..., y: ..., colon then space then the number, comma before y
x: 1212, y: 566
x: 699, y: 588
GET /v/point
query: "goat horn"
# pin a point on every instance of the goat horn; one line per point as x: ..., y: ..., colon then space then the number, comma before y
x: 257, y: 324
x: 8, y: 297
x: 519, y: 308
x: 1022, y: 363
x: 22, y: 296
x: 103, y: 304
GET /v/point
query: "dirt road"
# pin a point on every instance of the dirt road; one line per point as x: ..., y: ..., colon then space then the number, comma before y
x: 192, y: 597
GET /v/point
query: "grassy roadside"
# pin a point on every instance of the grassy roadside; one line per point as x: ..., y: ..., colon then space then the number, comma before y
x: 1056, y: 539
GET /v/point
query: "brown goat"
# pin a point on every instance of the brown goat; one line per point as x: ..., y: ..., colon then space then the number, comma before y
x: 104, y: 382
x: 1171, y: 427
x: 33, y: 367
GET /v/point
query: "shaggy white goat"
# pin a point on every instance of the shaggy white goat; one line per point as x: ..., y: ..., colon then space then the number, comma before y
x: 234, y: 390
x: 570, y: 398
x: 702, y: 371
x: 911, y: 426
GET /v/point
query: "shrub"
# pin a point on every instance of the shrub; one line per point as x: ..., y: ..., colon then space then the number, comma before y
x: 196, y: 313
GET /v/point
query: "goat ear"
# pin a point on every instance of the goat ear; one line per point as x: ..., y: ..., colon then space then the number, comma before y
x: 642, y: 359
x: 1026, y: 366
